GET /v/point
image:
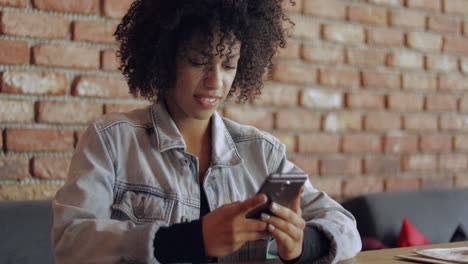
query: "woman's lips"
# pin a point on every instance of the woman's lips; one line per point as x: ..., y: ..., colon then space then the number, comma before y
x: 207, y: 101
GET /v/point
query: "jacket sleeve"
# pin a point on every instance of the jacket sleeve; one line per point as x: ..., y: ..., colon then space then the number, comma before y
x: 83, y: 231
x: 322, y: 212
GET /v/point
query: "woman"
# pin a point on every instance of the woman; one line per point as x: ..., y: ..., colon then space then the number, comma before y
x: 173, y: 182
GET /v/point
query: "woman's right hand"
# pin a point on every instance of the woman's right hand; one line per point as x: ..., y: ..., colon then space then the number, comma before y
x: 226, y: 228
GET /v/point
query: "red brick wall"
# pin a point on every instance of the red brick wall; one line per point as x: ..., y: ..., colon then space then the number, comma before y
x: 368, y: 96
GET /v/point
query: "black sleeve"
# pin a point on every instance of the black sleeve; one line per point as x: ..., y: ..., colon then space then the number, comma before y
x: 180, y: 243
x: 315, y: 245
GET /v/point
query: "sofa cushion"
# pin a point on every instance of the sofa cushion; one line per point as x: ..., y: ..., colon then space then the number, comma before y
x: 410, y: 236
x: 25, y: 228
x: 436, y: 213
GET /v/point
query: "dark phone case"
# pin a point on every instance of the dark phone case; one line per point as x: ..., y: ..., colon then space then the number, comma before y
x: 279, y: 188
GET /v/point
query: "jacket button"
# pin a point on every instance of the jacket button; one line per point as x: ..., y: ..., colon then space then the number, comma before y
x: 185, y: 162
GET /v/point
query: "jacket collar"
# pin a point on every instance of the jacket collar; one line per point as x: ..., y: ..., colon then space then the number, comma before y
x: 224, y: 151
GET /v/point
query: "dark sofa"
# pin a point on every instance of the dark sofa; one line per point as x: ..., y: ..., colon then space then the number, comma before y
x: 25, y: 232
x: 436, y: 213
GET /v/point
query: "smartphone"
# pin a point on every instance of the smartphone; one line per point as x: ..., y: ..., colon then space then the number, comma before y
x: 280, y: 188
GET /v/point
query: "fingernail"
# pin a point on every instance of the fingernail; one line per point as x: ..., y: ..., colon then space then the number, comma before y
x: 264, y: 217
x: 262, y: 198
x: 271, y: 228
x: 274, y: 207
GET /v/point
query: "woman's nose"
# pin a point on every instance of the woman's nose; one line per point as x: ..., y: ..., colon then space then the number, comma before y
x: 213, y: 77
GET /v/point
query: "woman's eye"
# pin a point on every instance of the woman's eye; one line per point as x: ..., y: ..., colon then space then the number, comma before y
x: 229, y: 67
x: 198, y: 62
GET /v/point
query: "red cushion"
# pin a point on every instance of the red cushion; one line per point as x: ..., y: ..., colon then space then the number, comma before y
x: 371, y: 243
x: 410, y: 236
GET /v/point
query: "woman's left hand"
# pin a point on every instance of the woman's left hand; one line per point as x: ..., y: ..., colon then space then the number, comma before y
x: 287, y: 226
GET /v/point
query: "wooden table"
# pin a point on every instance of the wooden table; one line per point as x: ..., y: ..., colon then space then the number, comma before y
x: 383, y: 256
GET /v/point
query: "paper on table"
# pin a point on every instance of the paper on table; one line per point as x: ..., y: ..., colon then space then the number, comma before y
x: 457, y: 255
x: 423, y: 259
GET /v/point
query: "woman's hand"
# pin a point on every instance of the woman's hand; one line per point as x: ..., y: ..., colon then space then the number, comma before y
x: 287, y: 226
x: 226, y: 229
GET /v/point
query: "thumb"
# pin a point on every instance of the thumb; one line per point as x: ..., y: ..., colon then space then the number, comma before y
x: 252, y: 203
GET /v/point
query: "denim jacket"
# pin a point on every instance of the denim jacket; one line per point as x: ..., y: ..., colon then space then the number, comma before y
x: 131, y: 174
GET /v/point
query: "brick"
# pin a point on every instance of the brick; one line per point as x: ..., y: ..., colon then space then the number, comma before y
x: 437, y: 183
x: 314, y: 98
x: 405, y: 102
x: 100, y: 86
x: 420, y: 122
x: 454, y: 123
x: 70, y: 56
x: 461, y: 181
x: 14, y: 168
x: 343, y: 121
x: 75, y: 6
x: 39, y: 140
x: 23, y: 82
x: 365, y: 100
x: 14, y: 52
x: 297, y: 120
x: 115, y: 9
x: 260, y: 118
x: 441, y: 103
x: 453, y: 82
x: 464, y: 65
x: 273, y: 94
x: 94, y: 31
x: 368, y: 15
x: 461, y: 143
x: 16, y: 111
x: 291, y: 51
x: 288, y: 139
x: 382, y: 165
x: 424, y: 41
x: 405, y: 59
x: 382, y: 121
x: 46, y: 168
x: 360, y: 186
x: 444, y: 24
x: 305, y: 28
x: 318, y: 143
x: 322, y: 53
x: 456, y: 45
x: 438, y: 62
x: 385, y: 37
x: 436, y: 143
x: 456, y: 7
x: 28, y: 192
x: 340, y: 166
x: 109, y: 60
x: 420, y: 162
x: 14, y: 3
x: 307, y: 164
x: 402, y: 184
x: 374, y: 79
x: 408, y: 19
x: 465, y: 28
x: 330, y: 9
x: 464, y: 104
x: 344, y: 33
x: 122, y: 108
x: 453, y: 161
x: 400, y: 143
x: 339, y: 78
x: 329, y: 185
x: 419, y: 81
x: 33, y: 25
x: 294, y: 73
x: 359, y: 143
x: 434, y: 5
x: 65, y: 112
x: 365, y: 56
x: 387, y: 2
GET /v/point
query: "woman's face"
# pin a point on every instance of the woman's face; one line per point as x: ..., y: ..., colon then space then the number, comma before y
x: 203, y: 80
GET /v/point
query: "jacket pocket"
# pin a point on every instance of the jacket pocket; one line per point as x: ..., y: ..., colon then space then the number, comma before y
x: 142, y: 208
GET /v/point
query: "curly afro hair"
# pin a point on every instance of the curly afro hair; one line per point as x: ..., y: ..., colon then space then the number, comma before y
x: 154, y: 32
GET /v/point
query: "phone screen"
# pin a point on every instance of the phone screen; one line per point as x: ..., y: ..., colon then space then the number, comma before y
x: 280, y: 188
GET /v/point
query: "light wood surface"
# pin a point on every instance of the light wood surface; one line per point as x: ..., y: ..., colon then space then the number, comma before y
x: 383, y: 256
